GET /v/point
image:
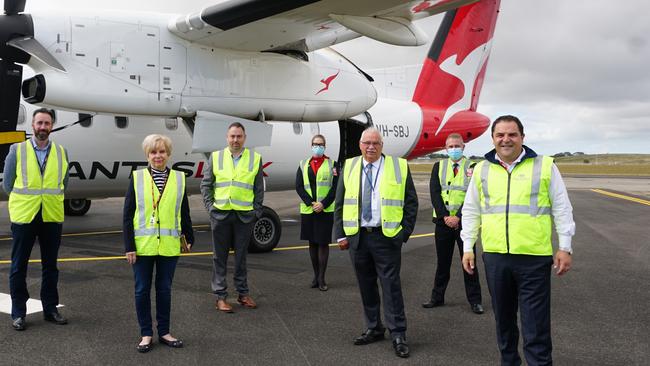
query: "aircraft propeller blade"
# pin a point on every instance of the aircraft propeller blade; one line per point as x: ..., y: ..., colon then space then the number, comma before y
x: 36, y: 50
x: 11, y: 76
x: 13, y: 7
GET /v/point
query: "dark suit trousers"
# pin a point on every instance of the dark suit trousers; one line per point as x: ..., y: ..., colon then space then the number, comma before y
x: 229, y: 233
x: 446, y: 238
x: 49, y: 239
x: 522, y: 281
x: 379, y: 257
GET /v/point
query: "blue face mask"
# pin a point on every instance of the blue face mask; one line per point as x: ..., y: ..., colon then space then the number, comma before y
x: 318, y: 150
x: 455, y: 153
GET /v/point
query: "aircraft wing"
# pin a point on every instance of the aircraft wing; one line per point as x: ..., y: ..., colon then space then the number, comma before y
x: 306, y: 25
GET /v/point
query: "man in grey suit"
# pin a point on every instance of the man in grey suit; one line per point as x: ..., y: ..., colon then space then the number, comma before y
x: 233, y: 192
x: 376, y: 208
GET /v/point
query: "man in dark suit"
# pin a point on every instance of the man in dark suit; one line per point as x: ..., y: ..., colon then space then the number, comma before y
x: 233, y: 192
x: 376, y: 207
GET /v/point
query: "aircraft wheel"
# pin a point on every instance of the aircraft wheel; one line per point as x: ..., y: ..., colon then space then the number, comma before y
x: 266, y: 232
x: 76, y: 207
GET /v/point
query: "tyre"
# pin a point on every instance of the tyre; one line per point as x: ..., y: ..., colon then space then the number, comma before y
x: 76, y: 207
x: 266, y: 232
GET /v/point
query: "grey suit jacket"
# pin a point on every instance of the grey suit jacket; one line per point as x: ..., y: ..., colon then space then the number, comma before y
x: 408, y: 219
x: 207, y: 190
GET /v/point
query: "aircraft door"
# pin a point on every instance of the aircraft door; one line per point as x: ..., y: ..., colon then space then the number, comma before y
x: 350, y: 132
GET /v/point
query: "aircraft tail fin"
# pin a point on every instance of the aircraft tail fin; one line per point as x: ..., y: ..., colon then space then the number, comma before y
x: 453, y: 72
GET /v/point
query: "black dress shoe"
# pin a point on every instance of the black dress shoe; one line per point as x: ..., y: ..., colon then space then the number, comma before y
x: 432, y: 304
x: 369, y: 336
x: 401, y: 348
x: 323, y: 287
x: 19, y: 323
x: 144, y: 348
x: 314, y: 283
x: 55, y: 318
x: 477, y: 309
x: 173, y: 344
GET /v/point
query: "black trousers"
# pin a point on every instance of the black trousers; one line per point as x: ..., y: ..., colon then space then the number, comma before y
x: 49, y: 239
x: 524, y: 282
x: 446, y: 238
x: 379, y: 257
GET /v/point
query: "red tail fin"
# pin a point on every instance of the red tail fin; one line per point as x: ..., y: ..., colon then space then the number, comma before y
x: 453, y: 72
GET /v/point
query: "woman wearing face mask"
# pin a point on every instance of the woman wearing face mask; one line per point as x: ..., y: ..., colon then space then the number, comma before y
x: 316, y: 180
x: 156, y: 213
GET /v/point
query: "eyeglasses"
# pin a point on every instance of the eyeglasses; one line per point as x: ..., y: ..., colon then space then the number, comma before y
x: 373, y: 143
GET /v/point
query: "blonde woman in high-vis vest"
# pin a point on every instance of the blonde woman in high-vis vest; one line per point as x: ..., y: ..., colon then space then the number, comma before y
x: 156, y: 214
x: 35, y: 177
x: 316, y: 181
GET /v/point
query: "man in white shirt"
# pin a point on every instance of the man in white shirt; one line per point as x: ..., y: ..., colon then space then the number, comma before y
x: 375, y: 212
x: 514, y: 197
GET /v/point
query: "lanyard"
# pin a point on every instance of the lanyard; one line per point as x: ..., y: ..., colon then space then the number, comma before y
x: 372, y: 185
x: 153, y: 196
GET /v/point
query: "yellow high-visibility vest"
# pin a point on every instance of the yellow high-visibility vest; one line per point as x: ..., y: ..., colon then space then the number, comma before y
x: 392, y: 190
x: 158, y: 232
x: 515, y: 207
x: 234, y: 188
x: 34, y: 191
x: 453, y: 188
x: 324, y: 179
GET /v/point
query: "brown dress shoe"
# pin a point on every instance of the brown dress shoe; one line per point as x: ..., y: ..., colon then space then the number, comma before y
x: 222, y: 305
x: 246, y: 301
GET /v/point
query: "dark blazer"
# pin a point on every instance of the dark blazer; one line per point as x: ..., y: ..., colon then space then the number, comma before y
x: 305, y: 197
x: 129, y: 211
x: 207, y: 190
x: 408, y: 219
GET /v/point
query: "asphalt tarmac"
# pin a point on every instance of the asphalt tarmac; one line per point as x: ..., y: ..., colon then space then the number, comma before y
x: 599, y: 309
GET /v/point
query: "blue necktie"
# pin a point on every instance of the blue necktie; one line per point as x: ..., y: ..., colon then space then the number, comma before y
x: 366, y: 206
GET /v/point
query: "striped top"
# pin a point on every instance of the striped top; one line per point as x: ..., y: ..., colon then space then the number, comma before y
x: 159, y: 178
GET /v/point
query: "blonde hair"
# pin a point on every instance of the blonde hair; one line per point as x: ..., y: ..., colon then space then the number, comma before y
x: 152, y: 141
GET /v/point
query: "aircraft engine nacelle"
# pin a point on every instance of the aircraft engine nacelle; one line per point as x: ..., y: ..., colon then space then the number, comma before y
x: 120, y: 63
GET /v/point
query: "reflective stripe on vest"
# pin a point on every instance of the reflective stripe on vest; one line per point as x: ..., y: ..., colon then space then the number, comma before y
x: 158, y: 232
x: 516, y: 207
x: 33, y: 190
x: 392, y: 190
x: 453, y: 188
x: 324, y: 179
x: 234, y: 187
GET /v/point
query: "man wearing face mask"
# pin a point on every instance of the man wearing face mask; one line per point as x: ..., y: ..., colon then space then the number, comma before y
x: 316, y: 181
x: 449, y: 181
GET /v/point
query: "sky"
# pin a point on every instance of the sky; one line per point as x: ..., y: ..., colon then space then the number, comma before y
x: 575, y: 72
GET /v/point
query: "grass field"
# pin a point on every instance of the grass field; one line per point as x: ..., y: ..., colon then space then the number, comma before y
x: 597, y: 164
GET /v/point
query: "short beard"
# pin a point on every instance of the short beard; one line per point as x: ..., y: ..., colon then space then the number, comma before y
x: 42, y: 136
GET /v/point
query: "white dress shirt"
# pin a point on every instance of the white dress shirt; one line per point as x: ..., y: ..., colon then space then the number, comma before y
x: 375, y: 201
x: 561, y: 210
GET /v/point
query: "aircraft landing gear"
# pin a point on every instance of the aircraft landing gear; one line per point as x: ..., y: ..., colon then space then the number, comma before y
x: 266, y: 232
x: 76, y: 207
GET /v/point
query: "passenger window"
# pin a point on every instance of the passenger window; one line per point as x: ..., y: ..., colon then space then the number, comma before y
x: 171, y: 123
x: 121, y: 121
x: 85, y: 119
x: 297, y: 128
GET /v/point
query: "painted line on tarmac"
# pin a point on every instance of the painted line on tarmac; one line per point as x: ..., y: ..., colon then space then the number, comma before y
x: 621, y: 196
x: 197, y: 254
x: 102, y: 232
